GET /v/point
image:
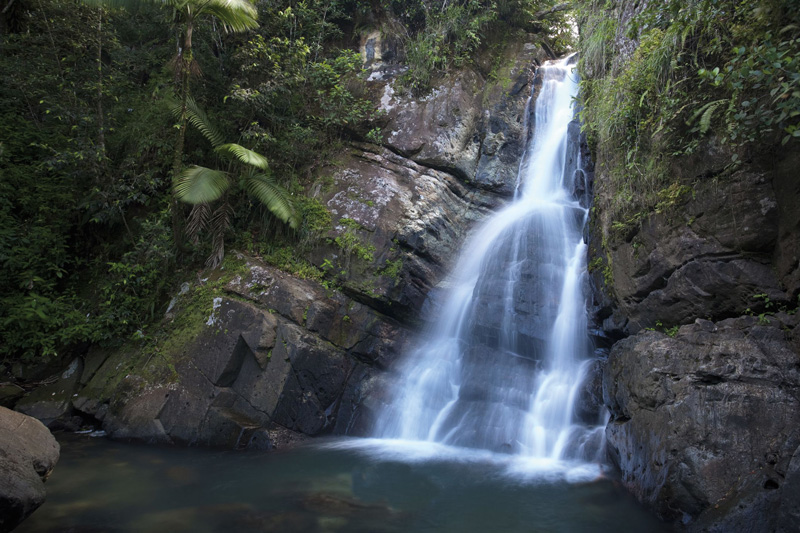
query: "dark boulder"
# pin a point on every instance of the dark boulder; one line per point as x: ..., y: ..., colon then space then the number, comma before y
x: 28, y: 453
x: 704, y: 425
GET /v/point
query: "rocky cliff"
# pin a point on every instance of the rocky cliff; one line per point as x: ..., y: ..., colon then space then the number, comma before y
x: 254, y: 357
x: 698, y: 293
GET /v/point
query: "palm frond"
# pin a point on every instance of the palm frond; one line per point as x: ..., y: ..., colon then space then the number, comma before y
x: 197, y: 222
x: 273, y: 196
x: 198, y: 118
x: 248, y: 157
x: 199, y: 184
x: 235, y: 15
x: 220, y: 223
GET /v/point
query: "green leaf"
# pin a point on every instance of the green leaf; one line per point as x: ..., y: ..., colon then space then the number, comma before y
x: 199, y: 184
x: 235, y: 15
x: 199, y: 120
x: 248, y: 157
x: 273, y: 196
x: 706, y: 113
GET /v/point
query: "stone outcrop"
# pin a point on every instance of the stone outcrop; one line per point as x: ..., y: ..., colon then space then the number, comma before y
x: 703, y: 392
x: 414, y: 218
x: 705, y: 424
x: 711, y: 257
x: 28, y: 453
x: 273, y: 359
x: 468, y: 126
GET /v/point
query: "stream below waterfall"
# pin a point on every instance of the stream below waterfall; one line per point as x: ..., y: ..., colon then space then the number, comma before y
x: 347, y: 486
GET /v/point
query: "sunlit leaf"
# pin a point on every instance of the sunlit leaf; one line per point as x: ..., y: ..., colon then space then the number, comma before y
x: 248, y: 157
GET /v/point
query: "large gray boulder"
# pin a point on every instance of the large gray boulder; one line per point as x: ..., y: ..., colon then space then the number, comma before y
x: 704, y: 425
x: 28, y: 453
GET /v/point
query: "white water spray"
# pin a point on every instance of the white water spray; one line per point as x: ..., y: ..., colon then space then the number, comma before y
x: 504, y: 362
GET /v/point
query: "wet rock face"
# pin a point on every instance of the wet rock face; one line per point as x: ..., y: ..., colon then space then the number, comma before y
x: 704, y: 426
x: 412, y: 216
x: 468, y: 126
x: 706, y: 259
x: 28, y: 453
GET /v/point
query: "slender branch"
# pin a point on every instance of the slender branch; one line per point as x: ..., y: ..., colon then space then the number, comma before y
x: 101, y: 135
x: 555, y: 9
x: 8, y: 6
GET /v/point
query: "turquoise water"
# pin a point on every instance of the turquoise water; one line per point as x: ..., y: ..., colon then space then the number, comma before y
x: 332, y: 486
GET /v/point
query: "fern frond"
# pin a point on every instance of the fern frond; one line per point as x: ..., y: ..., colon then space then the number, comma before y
x: 274, y: 197
x: 248, y: 157
x: 199, y: 184
x: 705, y: 120
x: 706, y: 113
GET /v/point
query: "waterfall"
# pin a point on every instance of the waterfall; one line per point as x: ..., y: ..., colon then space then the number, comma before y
x: 502, y: 365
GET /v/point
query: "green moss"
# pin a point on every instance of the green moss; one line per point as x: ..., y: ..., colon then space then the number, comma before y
x: 595, y: 263
x: 289, y: 259
x: 316, y: 217
x: 608, y: 276
x: 351, y: 243
x: 391, y: 269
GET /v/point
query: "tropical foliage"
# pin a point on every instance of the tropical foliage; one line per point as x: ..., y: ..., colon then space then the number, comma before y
x: 201, y: 186
x: 720, y: 71
x: 108, y: 130
x: 440, y: 34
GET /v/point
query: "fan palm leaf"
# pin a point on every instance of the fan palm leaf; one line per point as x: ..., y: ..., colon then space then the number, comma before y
x: 235, y: 15
x: 199, y: 184
x: 274, y: 197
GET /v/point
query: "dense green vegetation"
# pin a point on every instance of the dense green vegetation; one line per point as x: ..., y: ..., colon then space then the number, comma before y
x: 437, y: 37
x: 721, y: 71
x: 106, y: 105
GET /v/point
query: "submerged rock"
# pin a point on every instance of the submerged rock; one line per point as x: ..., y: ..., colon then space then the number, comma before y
x: 28, y: 453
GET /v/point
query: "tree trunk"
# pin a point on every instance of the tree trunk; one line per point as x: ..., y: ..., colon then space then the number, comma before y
x: 101, y: 135
x: 184, y: 62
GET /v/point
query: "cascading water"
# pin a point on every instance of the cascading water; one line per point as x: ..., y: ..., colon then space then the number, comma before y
x: 503, y: 364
